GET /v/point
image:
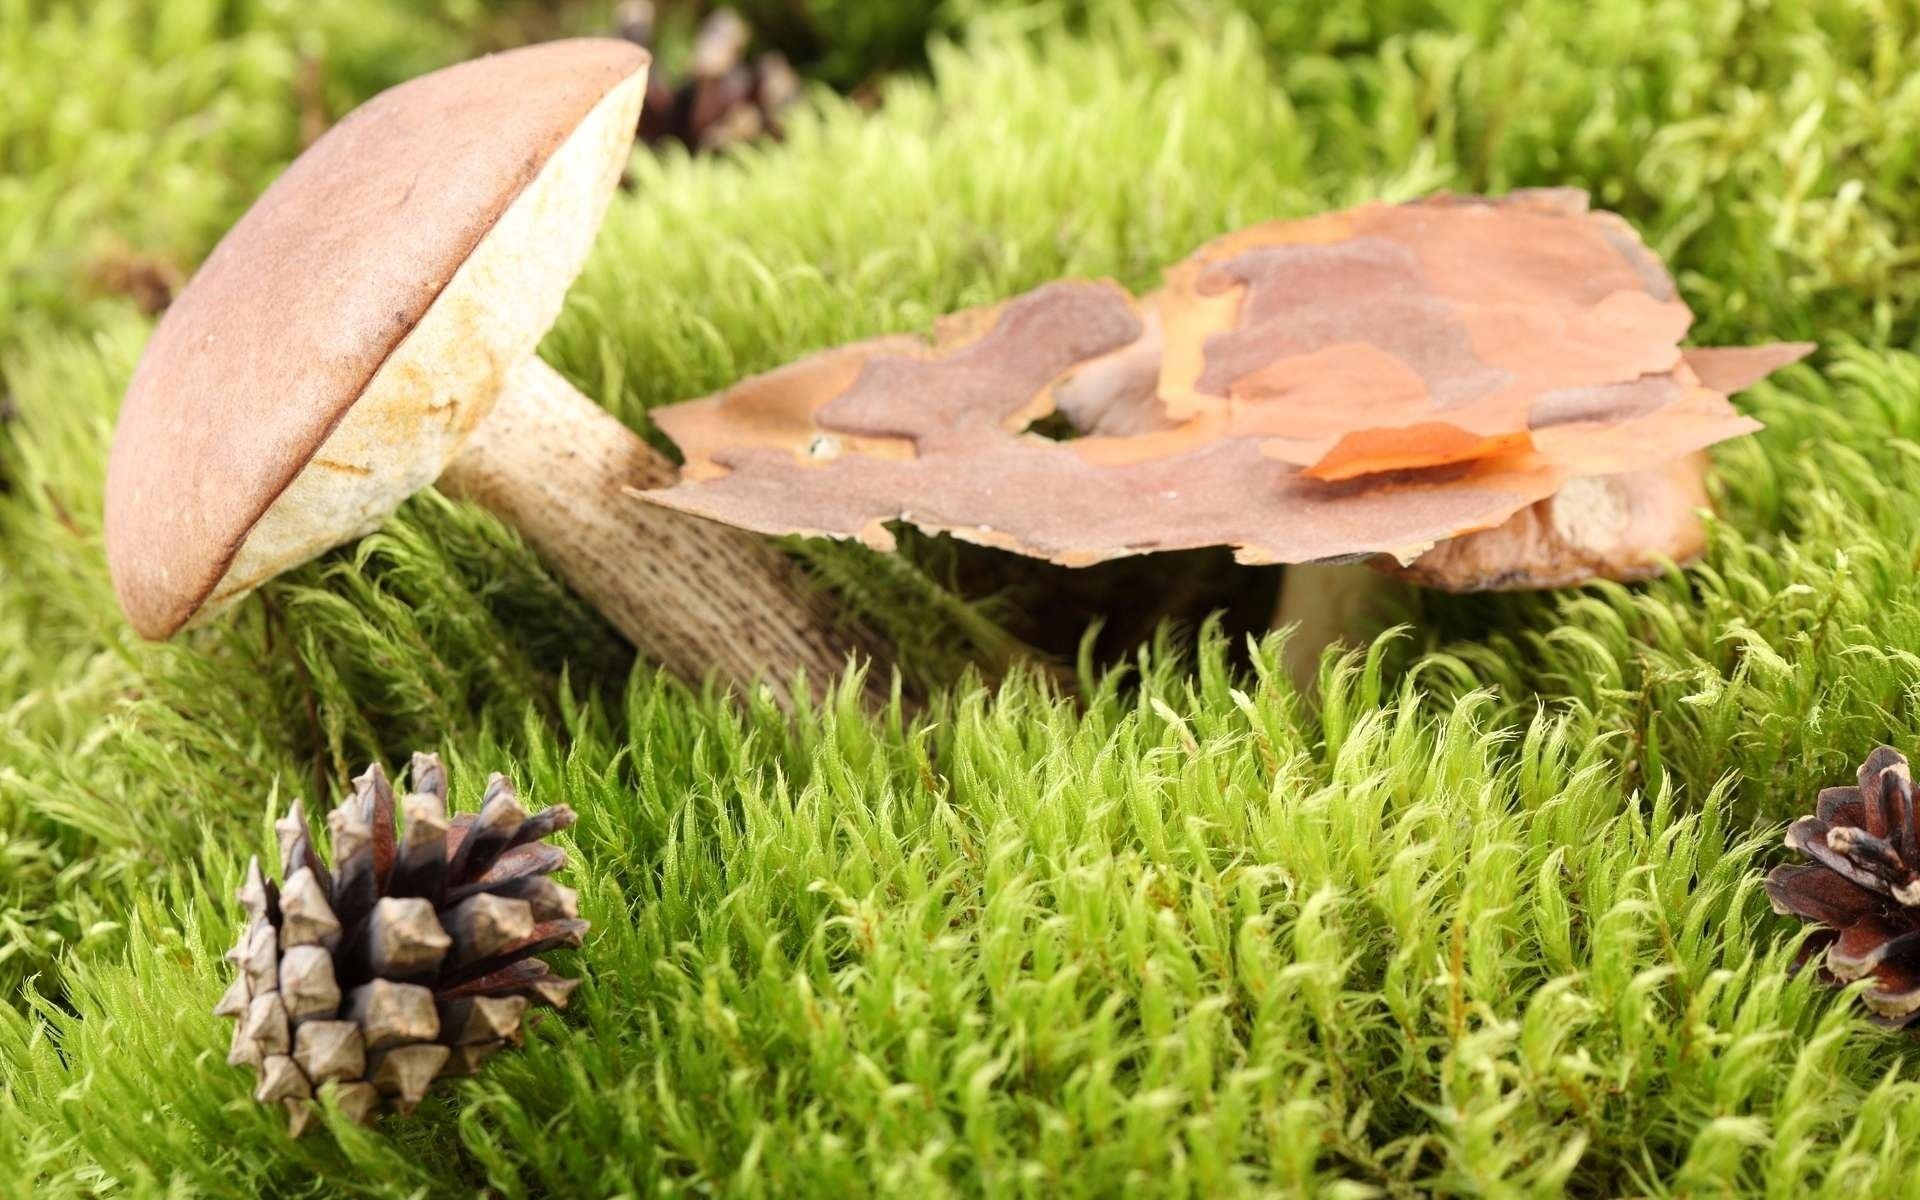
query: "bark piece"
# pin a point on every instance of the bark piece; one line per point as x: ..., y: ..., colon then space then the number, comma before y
x: 1374, y: 381
x: 1733, y: 369
x: 1452, y: 315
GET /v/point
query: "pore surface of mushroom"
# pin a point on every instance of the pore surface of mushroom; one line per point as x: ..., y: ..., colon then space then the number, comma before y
x: 369, y: 327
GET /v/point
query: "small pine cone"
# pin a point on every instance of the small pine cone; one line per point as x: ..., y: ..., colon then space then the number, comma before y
x: 634, y: 21
x: 1863, y: 886
x: 723, y: 99
x: 719, y: 45
x: 411, y: 957
x: 776, y: 86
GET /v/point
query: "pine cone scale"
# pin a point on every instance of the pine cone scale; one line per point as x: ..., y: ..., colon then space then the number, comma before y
x: 420, y: 864
x: 1841, y: 806
x: 281, y: 1079
x: 376, y: 801
x: 465, y: 1060
x: 401, y: 939
x: 548, y: 935
x: 327, y: 1050
x: 306, y: 916
x: 1814, y: 893
x: 406, y: 1072
x: 472, y: 1020
x: 297, y: 852
x: 528, y: 977
x: 1810, y: 836
x: 1862, y: 946
x: 484, y: 924
x: 1897, y: 996
x: 307, y: 984
x: 535, y: 858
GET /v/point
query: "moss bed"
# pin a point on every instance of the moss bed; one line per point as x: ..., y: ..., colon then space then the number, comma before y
x: 1482, y: 918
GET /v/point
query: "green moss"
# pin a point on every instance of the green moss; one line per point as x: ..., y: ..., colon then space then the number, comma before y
x: 1483, y: 920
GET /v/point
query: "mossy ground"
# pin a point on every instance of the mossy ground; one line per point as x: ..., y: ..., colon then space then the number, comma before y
x: 1483, y: 919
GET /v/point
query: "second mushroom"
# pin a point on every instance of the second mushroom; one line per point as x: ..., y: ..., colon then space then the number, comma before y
x: 1471, y: 393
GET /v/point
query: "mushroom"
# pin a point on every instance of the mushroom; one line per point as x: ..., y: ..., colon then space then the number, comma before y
x: 1472, y: 392
x: 368, y: 328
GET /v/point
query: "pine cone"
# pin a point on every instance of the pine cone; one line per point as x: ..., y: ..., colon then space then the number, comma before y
x: 413, y: 958
x: 1863, y: 886
x: 723, y: 99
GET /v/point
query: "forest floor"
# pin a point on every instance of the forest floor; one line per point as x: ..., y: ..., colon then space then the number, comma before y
x: 1481, y: 918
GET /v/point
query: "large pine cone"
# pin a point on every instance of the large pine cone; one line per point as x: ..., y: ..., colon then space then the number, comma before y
x: 412, y: 959
x: 1863, y: 885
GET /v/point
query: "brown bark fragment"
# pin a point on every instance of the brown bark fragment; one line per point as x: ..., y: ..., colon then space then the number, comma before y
x: 1370, y: 382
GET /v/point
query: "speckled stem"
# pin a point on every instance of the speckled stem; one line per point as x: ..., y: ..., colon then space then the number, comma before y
x: 693, y: 595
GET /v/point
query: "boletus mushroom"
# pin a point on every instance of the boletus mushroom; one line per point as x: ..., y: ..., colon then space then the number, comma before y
x: 368, y: 328
x: 1474, y: 393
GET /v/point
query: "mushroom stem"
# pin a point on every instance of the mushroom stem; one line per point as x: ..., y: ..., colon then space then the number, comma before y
x: 1328, y: 605
x: 690, y: 594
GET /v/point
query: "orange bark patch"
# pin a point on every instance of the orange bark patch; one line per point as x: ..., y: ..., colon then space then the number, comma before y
x: 1411, y: 447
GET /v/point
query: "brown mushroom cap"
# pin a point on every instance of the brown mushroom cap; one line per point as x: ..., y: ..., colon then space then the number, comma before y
x: 349, y: 331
